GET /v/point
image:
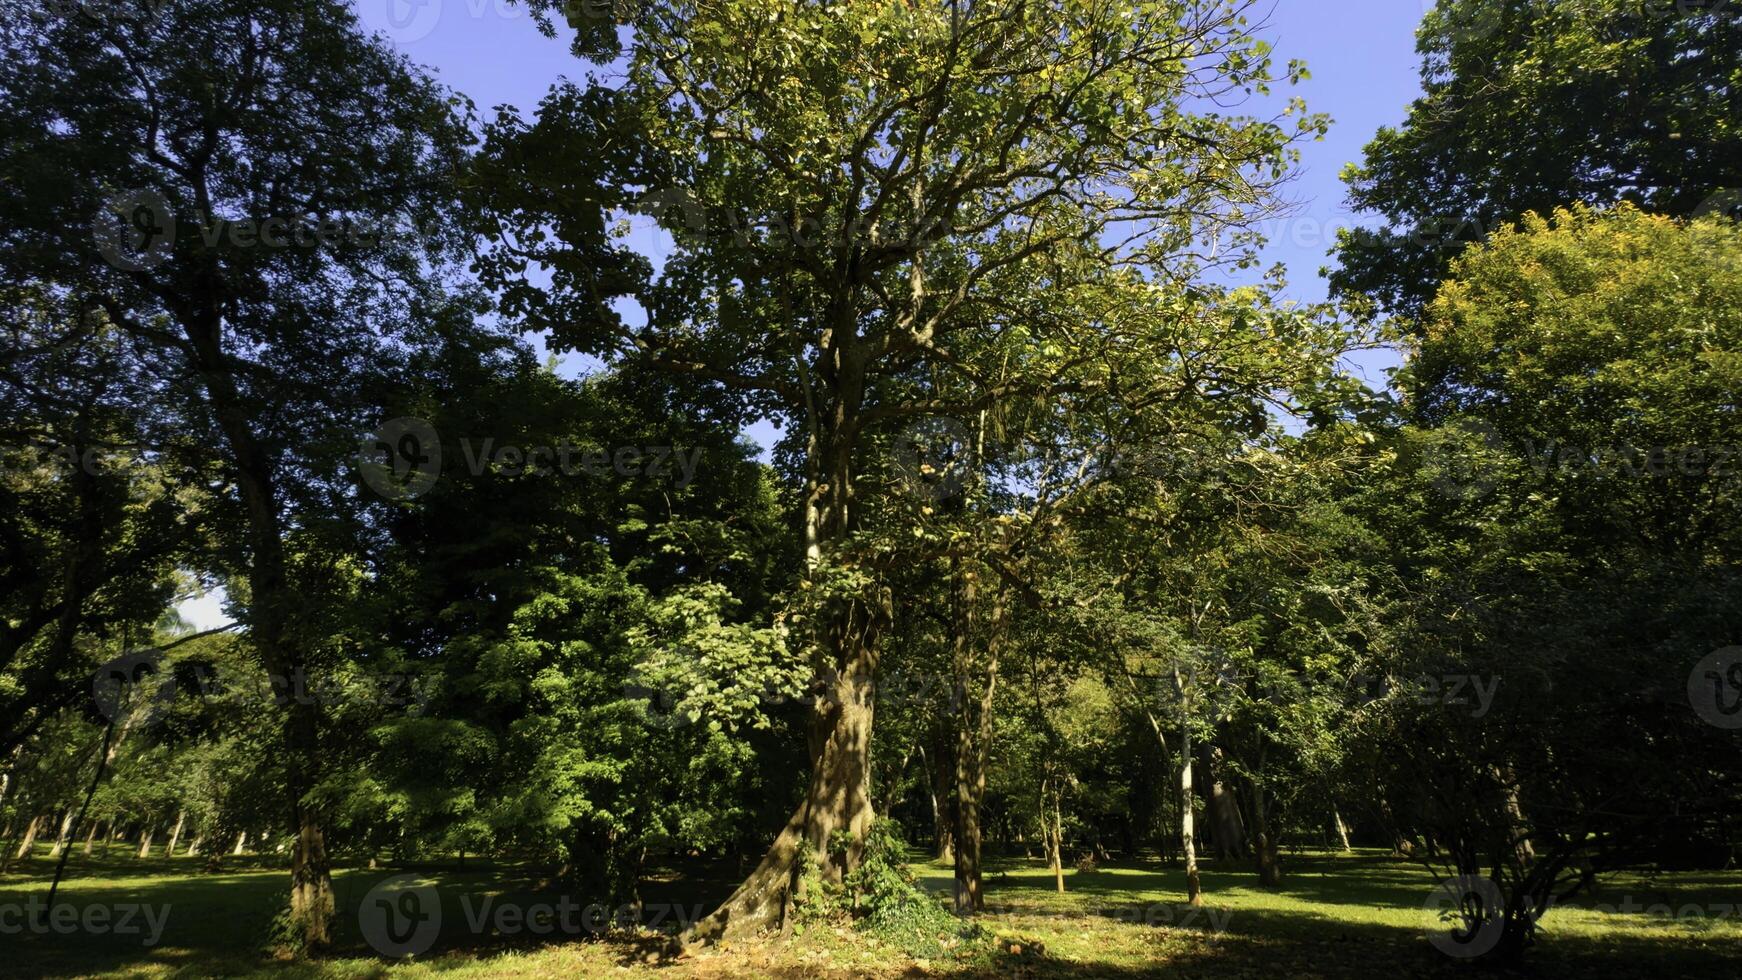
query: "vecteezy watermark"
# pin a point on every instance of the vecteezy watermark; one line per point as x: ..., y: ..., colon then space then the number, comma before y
x: 691, y: 220
x: 934, y: 457
x: 1459, y: 460
x: 402, y: 459
x: 144, y: 685
x: 117, y: 919
x: 135, y: 230
x: 1466, y: 916
x: 402, y: 916
x: 570, y: 459
x: 408, y: 21
x: 1204, y: 917
x: 1474, y: 20
x: 137, y: 681
x: 1632, y: 461
x: 1629, y: 905
x: 106, y: 12
x: 1715, y: 688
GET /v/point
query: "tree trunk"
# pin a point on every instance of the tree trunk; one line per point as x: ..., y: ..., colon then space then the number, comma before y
x: 973, y: 732
x: 271, y: 617
x: 175, y: 835
x: 1223, y: 808
x: 1187, y: 843
x: 241, y: 841
x: 61, y: 841
x: 90, y: 838
x: 941, y: 762
x: 843, y: 654
x: 1056, y: 836
x: 29, y: 841
x: 145, y: 835
x: 1264, y: 841
x: 839, y: 795
x: 1341, y: 828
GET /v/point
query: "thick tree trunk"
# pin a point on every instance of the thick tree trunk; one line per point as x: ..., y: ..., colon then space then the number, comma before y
x: 843, y: 654
x: 145, y: 835
x: 838, y: 798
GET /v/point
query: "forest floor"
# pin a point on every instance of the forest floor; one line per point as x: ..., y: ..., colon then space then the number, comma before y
x: 1357, y: 915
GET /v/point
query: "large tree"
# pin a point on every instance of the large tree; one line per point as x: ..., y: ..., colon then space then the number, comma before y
x: 237, y: 186
x: 866, y: 199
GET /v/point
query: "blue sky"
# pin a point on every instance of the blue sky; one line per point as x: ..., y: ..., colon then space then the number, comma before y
x: 1361, y: 54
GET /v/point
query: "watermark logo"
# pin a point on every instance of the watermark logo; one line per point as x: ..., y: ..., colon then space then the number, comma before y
x: 677, y: 210
x: 403, y: 21
x: 400, y: 917
x: 1466, y: 916
x: 1465, y: 21
x: 135, y: 230
x: 1715, y: 688
x: 1460, y: 460
x: 933, y: 457
x: 402, y: 459
x: 135, y: 681
x: 121, y: 919
x: 1725, y: 203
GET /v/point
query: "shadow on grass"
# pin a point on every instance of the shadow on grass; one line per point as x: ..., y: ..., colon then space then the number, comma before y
x: 1335, y: 916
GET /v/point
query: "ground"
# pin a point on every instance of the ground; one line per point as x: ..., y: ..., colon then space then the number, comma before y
x: 1356, y: 915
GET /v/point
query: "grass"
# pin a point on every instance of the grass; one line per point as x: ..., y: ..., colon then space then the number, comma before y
x: 1358, y: 915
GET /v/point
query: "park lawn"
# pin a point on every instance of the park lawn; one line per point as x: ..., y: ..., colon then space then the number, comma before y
x: 1335, y: 916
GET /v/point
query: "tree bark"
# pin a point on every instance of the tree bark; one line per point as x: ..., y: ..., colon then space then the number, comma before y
x: 91, y: 838
x: 1341, y: 828
x: 61, y: 841
x: 1264, y: 841
x: 181, y: 817
x: 29, y: 841
x: 1055, y: 837
x: 941, y: 765
x: 1223, y: 807
x: 1188, y: 843
x: 974, y: 694
x: 145, y: 835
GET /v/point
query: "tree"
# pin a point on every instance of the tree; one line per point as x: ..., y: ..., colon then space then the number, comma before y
x: 1531, y: 106
x: 865, y: 196
x: 243, y: 166
x: 1573, y: 545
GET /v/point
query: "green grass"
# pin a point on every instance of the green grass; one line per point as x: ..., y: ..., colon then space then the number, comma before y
x: 1334, y: 916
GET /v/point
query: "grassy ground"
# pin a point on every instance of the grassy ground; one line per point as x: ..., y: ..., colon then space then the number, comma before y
x: 1335, y: 916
